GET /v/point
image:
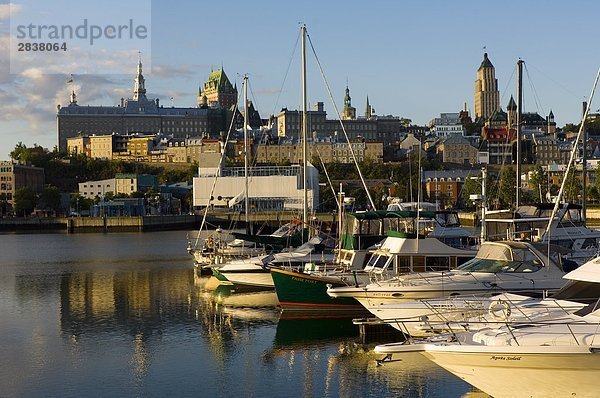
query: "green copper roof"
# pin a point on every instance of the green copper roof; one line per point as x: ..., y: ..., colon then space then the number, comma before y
x: 218, y: 80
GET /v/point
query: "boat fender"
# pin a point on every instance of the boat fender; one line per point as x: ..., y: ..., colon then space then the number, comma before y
x: 499, y: 310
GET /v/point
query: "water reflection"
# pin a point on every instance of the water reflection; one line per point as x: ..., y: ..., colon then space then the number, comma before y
x: 89, y: 322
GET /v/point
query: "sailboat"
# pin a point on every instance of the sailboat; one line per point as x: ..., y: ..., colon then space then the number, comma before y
x: 254, y: 273
x: 219, y: 248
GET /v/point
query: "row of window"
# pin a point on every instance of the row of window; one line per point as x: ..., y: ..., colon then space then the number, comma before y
x: 442, y: 179
x: 6, y: 178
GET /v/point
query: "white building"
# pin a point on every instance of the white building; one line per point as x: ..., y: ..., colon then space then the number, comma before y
x: 269, y: 187
x: 91, y: 189
x: 446, y: 124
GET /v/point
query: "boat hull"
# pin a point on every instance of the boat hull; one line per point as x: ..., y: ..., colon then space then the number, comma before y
x: 249, y: 278
x: 297, y: 291
x: 513, y: 372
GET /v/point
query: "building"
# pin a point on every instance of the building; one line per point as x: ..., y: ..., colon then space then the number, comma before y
x: 498, y: 143
x: 217, y: 91
x: 371, y: 128
x: 487, y: 96
x: 122, y: 184
x: 99, y: 188
x: 349, y: 112
x: 269, y: 188
x: 140, y: 115
x: 326, y: 152
x: 447, y: 124
x: 14, y: 176
x: 80, y: 145
x: 444, y: 186
x: 410, y: 143
x: 130, y: 183
x: 456, y: 149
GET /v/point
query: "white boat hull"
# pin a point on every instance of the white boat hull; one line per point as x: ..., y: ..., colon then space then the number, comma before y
x: 506, y: 372
x: 261, y: 279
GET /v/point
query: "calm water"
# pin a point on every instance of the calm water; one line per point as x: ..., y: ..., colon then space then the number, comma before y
x: 125, y: 315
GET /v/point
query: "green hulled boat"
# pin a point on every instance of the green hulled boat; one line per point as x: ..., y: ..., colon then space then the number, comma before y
x: 298, y: 291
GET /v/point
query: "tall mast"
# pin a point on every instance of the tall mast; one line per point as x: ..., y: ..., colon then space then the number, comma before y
x: 304, y: 132
x: 519, y: 113
x: 584, y: 170
x: 246, y: 198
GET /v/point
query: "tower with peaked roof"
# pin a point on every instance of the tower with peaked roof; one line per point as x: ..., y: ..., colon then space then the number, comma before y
x: 349, y: 111
x: 139, y: 84
x: 218, y: 91
x: 487, y: 96
x: 369, y: 110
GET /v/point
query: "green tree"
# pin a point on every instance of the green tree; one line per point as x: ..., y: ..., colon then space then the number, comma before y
x: 570, y: 127
x: 539, y: 183
x: 470, y: 187
x: 50, y: 198
x: 25, y: 201
x: 597, y: 177
x: 572, y: 187
x: 507, y: 187
x: 593, y: 194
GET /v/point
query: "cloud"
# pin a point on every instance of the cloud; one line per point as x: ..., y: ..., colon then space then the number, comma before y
x: 6, y: 10
x: 171, y: 71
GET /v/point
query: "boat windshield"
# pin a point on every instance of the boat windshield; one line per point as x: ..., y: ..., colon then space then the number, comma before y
x: 579, y: 291
x: 377, y: 262
x: 500, y: 266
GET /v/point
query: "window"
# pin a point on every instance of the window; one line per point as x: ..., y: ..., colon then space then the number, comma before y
x: 449, y: 187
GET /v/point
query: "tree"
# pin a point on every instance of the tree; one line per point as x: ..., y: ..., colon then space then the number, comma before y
x: 50, y: 198
x: 25, y: 200
x: 593, y: 194
x: 570, y: 127
x: 539, y: 183
x: 597, y: 178
x: 572, y: 187
x: 507, y: 189
x: 470, y: 187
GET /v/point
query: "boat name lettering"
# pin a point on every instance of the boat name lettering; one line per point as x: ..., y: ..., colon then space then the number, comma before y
x: 505, y: 358
x: 303, y: 280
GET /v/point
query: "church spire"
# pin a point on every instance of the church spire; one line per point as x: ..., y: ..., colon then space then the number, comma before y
x: 349, y: 111
x: 347, y: 99
x: 139, y: 89
x: 368, y: 109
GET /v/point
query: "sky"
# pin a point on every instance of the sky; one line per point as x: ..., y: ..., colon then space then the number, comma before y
x: 413, y: 59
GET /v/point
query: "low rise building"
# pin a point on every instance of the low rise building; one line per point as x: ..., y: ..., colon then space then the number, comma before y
x: 124, y: 184
x: 444, y: 186
x: 15, y: 175
x: 447, y: 124
x: 99, y: 188
x: 456, y: 149
x: 269, y: 188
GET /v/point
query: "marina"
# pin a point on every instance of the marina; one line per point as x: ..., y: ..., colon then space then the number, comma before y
x: 125, y: 314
